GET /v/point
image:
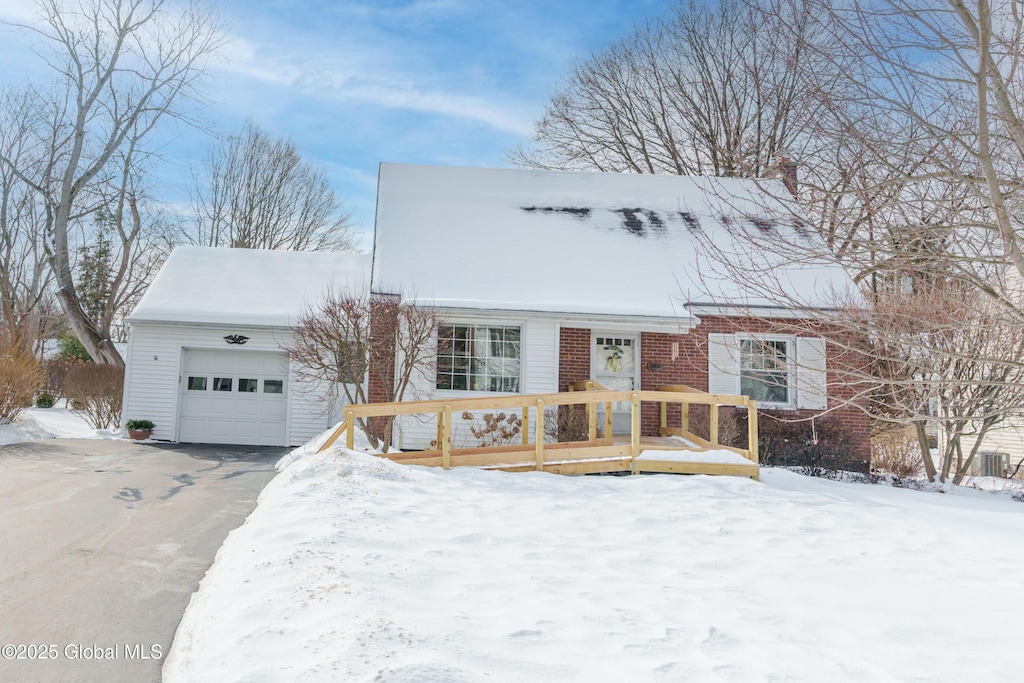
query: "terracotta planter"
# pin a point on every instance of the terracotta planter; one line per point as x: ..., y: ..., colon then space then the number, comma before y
x: 139, y: 434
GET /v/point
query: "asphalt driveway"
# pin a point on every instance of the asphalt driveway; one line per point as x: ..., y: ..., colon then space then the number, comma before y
x: 102, y: 543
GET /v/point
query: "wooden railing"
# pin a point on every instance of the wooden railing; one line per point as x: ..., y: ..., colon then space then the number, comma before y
x: 586, y: 393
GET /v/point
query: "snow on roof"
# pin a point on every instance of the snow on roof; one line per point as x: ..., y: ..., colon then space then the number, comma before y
x: 246, y: 286
x: 590, y: 243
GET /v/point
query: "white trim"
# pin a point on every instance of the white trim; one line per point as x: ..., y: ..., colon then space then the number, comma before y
x: 752, y: 311
x: 125, y: 392
x: 611, y: 322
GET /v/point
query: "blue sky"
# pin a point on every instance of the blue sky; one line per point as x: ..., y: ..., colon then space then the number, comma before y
x: 451, y: 82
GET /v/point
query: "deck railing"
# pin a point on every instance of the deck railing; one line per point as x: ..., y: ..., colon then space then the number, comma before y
x: 586, y: 393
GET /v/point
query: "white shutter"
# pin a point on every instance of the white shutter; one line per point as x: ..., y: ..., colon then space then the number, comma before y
x: 723, y: 364
x: 811, y: 386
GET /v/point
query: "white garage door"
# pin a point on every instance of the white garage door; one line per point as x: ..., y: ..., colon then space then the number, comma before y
x: 233, y: 397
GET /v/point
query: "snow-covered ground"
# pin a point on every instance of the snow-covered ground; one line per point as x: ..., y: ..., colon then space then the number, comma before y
x: 35, y: 424
x: 353, y: 568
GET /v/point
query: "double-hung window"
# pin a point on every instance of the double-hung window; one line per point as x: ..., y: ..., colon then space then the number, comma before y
x: 479, y: 357
x: 765, y: 370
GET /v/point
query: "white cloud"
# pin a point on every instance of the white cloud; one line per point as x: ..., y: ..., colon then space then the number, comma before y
x: 366, y: 73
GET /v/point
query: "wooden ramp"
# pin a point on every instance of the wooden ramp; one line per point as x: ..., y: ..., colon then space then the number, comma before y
x: 675, y: 451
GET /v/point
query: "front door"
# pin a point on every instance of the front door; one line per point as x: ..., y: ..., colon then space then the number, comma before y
x: 615, y: 358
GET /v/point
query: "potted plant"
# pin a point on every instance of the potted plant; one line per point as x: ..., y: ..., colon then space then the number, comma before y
x: 139, y: 430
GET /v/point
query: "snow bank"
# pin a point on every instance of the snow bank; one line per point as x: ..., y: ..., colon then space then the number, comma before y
x: 36, y: 424
x: 354, y: 568
x: 718, y: 456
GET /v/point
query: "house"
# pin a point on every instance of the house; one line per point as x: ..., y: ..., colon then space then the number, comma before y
x: 542, y: 278
x: 205, y: 358
x: 548, y: 278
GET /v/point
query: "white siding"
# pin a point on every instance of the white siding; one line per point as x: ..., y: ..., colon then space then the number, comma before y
x: 152, y: 386
x: 540, y: 357
x: 1008, y: 438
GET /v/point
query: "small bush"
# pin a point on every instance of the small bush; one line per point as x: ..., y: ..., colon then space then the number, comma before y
x: 494, y: 430
x: 96, y: 391
x: 20, y: 377
x: 567, y: 423
x: 730, y: 431
x: 70, y: 348
x: 55, y: 375
x: 44, y: 401
x: 896, y: 452
x: 140, y: 425
x: 819, y: 448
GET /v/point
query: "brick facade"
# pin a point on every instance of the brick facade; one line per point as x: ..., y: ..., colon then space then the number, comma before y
x: 573, y: 356
x: 690, y: 367
x: 380, y: 378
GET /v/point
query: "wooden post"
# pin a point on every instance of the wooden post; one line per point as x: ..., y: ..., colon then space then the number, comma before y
x: 350, y: 431
x: 524, y: 428
x: 591, y: 415
x: 664, y: 416
x: 540, y: 435
x: 446, y: 439
x: 752, y: 430
x: 607, y: 420
x: 634, y: 431
x: 440, y: 429
x: 713, y: 435
x: 685, y: 418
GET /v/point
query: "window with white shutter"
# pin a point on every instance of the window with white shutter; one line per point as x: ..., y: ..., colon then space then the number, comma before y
x: 777, y: 371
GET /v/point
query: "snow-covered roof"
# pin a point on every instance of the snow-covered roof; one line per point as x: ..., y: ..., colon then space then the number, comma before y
x: 246, y: 286
x: 588, y: 243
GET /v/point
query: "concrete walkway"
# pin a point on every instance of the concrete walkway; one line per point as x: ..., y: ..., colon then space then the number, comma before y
x: 102, y: 543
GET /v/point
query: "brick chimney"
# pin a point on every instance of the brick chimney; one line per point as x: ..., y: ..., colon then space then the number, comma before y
x: 787, y: 169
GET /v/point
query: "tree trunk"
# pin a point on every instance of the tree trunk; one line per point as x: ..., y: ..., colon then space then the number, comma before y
x: 926, y: 453
x: 102, y: 350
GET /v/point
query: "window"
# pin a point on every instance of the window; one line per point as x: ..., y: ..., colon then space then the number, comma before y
x: 273, y: 386
x: 478, y: 358
x: 764, y: 370
x: 247, y: 386
x: 223, y: 383
x: 197, y: 384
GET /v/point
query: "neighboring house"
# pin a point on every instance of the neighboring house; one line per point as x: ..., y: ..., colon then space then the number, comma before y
x: 547, y: 278
x: 543, y: 279
x: 205, y: 359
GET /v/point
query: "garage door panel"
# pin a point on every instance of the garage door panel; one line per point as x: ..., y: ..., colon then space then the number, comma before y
x: 235, y: 417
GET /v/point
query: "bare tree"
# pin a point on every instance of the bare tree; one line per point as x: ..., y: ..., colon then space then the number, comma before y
x: 120, y: 67
x: 356, y: 345
x: 931, y: 101
x: 121, y: 246
x: 709, y: 90
x: 25, y: 293
x: 257, y: 192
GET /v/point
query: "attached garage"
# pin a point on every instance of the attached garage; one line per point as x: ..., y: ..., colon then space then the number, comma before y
x: 234, y: 397
x: 206, y: 356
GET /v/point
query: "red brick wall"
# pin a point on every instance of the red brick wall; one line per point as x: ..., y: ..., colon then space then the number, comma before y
x: 573, y: 356
x: 380, y: 378
x: 690, y: 367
